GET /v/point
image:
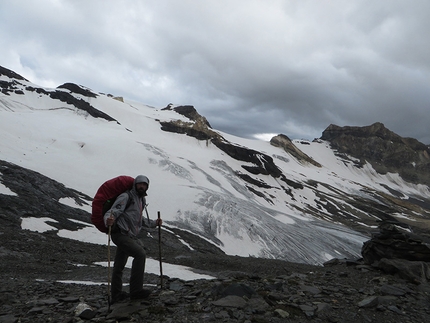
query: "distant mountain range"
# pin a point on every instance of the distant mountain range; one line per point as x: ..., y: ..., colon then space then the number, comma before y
x: 296, y: 200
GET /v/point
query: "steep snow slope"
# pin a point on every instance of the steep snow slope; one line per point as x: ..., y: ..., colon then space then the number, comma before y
x: 193, y: 183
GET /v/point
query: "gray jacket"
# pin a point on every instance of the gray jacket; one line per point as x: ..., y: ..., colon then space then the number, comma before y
x: 129, y: 219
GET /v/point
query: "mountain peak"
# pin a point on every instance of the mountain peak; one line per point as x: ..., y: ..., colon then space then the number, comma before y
x: 383, y: 149
x: 376, y: 129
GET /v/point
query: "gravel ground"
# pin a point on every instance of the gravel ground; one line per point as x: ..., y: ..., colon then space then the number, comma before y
x: 246, y: 289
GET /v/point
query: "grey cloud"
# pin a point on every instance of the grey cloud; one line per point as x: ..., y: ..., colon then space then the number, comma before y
x: 291, y: 67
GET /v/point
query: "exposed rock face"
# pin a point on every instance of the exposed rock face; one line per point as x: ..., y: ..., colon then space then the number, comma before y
x: 11, y: 74
x: 263, y: 163
x: 198, y: 127
x: 74, y: 88
x: 383, y: 149
x: 191, y: 113
x: 285, y: 143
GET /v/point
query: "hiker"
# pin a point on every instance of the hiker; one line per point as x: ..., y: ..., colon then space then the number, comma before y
x: 126, y: 221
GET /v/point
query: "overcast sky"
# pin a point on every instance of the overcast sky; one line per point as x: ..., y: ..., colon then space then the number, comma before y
x: 248, y: 66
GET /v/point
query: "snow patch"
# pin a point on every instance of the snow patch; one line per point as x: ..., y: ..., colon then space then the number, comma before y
x: 37, y: 224
x: 72, y: 203
x: 6, y: 191
x: 174, y: 271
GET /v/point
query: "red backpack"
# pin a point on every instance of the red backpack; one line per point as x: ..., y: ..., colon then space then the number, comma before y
x: 106, y: 196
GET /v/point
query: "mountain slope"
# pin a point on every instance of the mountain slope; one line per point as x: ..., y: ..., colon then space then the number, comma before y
x: 294, y: 200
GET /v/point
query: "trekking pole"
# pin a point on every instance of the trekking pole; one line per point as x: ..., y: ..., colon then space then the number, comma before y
x: 159, y: 251
x: 109, y: 300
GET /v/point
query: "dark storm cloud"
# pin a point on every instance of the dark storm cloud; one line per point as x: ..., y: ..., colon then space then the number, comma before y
x: 290, y: 67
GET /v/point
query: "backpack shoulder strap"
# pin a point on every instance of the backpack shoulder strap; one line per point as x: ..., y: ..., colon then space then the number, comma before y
x: 129, y: 200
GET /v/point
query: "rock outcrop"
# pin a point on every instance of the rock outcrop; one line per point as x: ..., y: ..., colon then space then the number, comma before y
x: 74, y: 88
x: 397, y: 250
x: 11, y: 74
x: 383, y: 149
x: 198, y: 127
x: 285, y: 143
x: 18, y: 85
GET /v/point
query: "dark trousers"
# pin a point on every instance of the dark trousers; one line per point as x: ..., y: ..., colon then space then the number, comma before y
x: 128, y: 247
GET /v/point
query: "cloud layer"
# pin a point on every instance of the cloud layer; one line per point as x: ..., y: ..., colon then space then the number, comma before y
x: 249, y: 66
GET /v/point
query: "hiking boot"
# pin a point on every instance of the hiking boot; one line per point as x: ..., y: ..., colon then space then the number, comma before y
x: 119, y: 297
x: 142, y: 294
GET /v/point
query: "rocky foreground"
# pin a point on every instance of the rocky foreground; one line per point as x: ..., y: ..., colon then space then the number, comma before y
x: 42, y: 275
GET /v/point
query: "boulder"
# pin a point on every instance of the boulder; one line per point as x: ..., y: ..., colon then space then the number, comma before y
x: 397, y: 250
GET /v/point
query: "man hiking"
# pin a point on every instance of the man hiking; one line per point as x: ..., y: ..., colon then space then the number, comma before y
x: 126, y: 220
